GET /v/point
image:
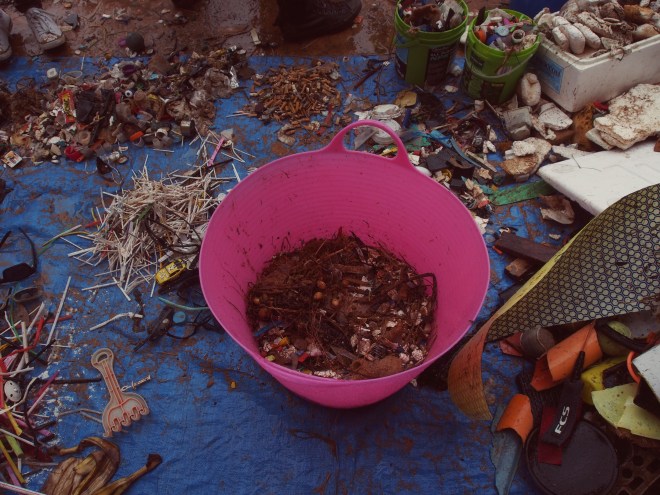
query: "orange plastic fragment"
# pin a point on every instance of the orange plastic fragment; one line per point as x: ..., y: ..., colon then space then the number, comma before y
x: 134, y: 137
x: 557, y: 364
x: 518, y: 416
x: 464, y: 382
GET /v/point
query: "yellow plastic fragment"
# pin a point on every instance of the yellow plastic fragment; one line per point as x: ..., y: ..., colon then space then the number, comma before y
x: 593, y: 377
x: 11, y: 463
x: 15, y: 446
x: 616, y: 406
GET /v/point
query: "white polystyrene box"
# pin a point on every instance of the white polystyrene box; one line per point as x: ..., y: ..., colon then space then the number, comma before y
x: 574, y: 82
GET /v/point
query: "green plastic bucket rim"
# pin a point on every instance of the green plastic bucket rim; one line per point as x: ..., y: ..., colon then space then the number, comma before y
x: 417, y: 37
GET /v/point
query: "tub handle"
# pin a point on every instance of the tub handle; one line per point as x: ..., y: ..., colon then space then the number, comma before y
x: 337, y: 143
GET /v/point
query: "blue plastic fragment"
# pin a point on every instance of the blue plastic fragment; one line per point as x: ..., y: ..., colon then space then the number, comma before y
x: 267, y: 327
x: 179, y: 317
x: 505, y: 454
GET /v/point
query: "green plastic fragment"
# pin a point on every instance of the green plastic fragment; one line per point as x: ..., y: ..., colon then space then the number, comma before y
x: 521, y: 193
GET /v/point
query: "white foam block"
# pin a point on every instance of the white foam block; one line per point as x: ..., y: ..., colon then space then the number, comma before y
x: 600, y: 179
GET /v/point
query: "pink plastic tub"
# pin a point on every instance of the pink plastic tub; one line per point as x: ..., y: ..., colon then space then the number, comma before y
x: 381, y: 200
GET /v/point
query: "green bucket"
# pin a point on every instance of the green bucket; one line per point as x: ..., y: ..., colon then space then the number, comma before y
x: 490, y: 74
x: 425, y: 57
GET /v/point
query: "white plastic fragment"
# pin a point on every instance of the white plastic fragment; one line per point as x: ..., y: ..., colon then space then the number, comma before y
x: 529, y: 89
x: 553, y: 118
x: 424, y: 171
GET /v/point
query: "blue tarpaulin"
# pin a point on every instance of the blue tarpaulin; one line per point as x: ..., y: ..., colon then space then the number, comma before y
x: 220, y: 423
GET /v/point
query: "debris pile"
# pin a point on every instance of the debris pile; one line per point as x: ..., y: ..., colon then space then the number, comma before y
x: 438, y: 16
x: 158, y: 221
x: 26, y: 384
x: 152, y: 104
x: 593, y: 28
x: 295, y: 94
x: 338, y: 308
x: 504, y: 31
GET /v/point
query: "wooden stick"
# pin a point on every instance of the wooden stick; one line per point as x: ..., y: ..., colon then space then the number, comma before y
x: 59, y: 310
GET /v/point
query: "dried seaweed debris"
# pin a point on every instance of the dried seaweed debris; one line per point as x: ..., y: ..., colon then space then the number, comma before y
x: 339, y: 308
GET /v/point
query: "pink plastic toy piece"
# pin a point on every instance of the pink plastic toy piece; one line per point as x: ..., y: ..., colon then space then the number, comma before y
x: 381, y: 200
x: 124, y: 407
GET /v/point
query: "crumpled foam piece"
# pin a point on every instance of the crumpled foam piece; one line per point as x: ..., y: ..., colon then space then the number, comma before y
x: 523, y: 148
x: 633, y: 117
x: 553, y: 118
x: 522, y: 167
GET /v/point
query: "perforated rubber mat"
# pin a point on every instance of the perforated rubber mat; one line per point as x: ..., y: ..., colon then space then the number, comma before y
x: 611, y: 267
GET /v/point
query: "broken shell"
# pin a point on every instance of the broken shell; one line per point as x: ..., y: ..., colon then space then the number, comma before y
x: 385, y: 112
x: 383, y: 137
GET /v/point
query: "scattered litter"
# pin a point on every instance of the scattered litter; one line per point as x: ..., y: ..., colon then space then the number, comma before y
x: 80, y: 118
x: 153, y: 223
x: 295, y: 94
x: 431, y: 17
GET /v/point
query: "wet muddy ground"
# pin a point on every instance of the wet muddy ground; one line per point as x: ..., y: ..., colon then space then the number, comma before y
x: 203, y: 24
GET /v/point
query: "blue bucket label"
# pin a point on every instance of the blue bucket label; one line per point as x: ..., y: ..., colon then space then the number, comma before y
x: 551, y: 73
